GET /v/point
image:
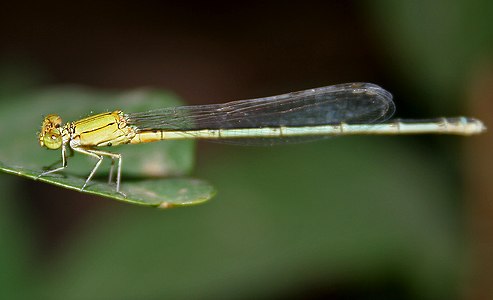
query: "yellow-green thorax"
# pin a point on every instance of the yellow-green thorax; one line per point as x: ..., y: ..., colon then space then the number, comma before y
x: 105, y: 129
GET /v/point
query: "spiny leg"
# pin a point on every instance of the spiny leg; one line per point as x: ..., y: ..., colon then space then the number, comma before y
x: 64, y: 164
x: 99, y: 154
x: 110, y: 177
x: 90, y: 153
x: 118, y: 170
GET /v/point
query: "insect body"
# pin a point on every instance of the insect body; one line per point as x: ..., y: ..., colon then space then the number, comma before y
x: 344, y: 109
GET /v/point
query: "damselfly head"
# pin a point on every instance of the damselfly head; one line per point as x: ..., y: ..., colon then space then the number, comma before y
x: 50, y: 135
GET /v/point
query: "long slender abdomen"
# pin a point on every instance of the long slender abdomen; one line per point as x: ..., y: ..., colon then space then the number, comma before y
x: 459, y: 126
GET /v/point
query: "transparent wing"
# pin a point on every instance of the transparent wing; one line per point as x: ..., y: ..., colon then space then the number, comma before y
x: 352, y: 103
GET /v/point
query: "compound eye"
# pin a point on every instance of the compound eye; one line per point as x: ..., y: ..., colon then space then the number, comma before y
x: 52, y: 139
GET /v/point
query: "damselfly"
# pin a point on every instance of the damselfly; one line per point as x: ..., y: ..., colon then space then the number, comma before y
x: 344, y: 109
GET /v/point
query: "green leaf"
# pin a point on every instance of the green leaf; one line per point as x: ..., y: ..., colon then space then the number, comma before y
x: 153, y: 174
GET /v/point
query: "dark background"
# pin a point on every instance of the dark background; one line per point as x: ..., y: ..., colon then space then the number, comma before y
x: 352, y: 218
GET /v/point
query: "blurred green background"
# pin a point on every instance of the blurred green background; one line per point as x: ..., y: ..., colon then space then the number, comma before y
x: 348, y: 218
